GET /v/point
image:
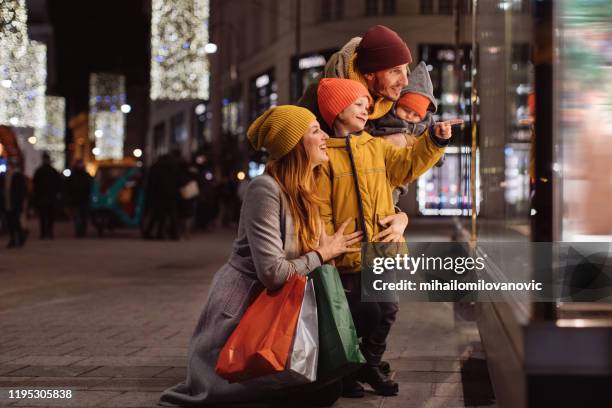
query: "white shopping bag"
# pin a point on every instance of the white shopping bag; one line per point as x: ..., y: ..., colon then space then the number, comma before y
x: 304, y: 355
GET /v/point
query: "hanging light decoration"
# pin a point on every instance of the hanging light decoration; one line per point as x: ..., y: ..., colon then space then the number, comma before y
x: 23, y: 69
x: 14, y: 25
x: 106, y: 120
x: 179, y: 34
x: 50, y: 138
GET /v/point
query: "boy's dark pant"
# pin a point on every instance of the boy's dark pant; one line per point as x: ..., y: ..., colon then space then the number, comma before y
x: 373, y: 320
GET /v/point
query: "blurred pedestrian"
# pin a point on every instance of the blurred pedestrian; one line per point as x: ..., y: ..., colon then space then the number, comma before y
x: 79, y: 195
x: 208, y: 203
x: 190, y: 192
x: 13, y: 186
x: 163, y: 195
x: 47, y: 184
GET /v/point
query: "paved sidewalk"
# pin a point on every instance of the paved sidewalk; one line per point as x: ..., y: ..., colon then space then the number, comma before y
x: 110, y: 319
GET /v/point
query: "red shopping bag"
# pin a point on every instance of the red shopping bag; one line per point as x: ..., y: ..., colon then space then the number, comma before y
x: 261, y: 342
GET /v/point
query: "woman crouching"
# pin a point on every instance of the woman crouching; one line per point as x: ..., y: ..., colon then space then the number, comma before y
x: 279, y: 235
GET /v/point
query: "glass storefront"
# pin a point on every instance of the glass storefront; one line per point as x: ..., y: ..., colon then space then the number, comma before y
x: 262, y: 94
x: 444, y: 191
x: 583, y: 120
x: 503, y: 76
x: 306, y: 69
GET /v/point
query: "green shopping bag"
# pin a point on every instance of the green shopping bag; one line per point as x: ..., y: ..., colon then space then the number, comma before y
x: 339, y: 352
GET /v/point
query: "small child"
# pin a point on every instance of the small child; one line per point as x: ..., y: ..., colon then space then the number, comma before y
x: 356, y: 184
x: 411, y: 115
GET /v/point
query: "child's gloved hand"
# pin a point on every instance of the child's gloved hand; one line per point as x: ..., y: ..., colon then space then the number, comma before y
x: 443, y: 129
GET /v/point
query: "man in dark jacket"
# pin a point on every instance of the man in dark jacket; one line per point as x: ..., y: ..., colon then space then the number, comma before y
x: 47, y: 183
x: 79, y: 192
x: 13, y: 187
x: 162, y: 198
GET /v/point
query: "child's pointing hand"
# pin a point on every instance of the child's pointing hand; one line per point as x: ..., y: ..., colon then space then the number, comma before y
x: 443, y: 129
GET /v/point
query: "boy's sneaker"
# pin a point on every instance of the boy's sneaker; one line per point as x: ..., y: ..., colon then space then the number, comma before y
x: 379, y: 382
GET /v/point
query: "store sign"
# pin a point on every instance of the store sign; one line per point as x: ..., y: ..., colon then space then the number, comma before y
x: 311, y: 62
x: 262, y: 81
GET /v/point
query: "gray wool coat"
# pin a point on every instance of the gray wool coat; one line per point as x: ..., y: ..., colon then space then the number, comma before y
x: 264, y: 254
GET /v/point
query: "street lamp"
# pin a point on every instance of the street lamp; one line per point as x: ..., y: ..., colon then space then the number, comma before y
x: 210, y: 48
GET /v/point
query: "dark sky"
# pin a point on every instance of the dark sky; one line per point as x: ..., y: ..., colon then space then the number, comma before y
x: 98, y: 36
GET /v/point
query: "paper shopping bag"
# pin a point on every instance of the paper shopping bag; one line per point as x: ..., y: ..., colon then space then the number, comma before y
x: 261, y: 342
x: 339, y: 352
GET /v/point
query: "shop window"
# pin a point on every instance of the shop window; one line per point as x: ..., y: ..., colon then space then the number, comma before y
x: 371, y: 7
x: 444, y: 190
x: 178, y: 130
x: 427, y: 6
x: 159, y: 139
x: 389, y: 7
x: 332, y: 10
x: 338, y: 9
x: 466, y: 6
x: 445, y: 7
x: 306, y: 69
x: 326, y: 10
x: 262, y: 94
x: 375, y: 7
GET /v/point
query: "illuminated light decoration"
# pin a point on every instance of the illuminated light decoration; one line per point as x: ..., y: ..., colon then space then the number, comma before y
x: 109, y: 146
x: 312, y: 61
x: 23, y: 78
x: 210, y: 48
x: 106, y: 120
x: 23, y: 69
x: 179, y: 36
x: 51, y: 136
x: 14, y: 25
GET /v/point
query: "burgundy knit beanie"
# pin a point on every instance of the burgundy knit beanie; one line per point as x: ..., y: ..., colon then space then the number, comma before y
x: 381, y: 48
x: 336, y: 94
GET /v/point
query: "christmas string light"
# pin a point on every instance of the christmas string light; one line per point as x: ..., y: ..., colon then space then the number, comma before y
x: 13, y: 25
x: 50, y: 138
x: 106, y: 120
x: 179, y: 34
x: 23, y: 69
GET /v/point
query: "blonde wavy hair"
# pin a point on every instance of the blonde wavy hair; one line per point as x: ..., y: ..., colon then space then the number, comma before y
x: 299, y: 183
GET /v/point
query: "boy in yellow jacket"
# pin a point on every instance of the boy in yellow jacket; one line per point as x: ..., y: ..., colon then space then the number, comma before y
x: 357, y: 184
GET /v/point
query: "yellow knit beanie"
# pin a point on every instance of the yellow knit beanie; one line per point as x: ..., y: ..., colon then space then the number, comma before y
x: 279, y: 129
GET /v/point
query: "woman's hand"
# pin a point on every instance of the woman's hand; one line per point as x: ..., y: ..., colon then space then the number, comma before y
x: 330, y: 246
x: 395, y: 231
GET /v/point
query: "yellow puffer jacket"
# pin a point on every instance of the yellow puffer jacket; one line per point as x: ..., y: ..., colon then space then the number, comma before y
x: 381, y: 166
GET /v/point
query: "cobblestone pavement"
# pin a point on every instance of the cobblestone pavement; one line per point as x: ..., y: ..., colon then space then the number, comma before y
x: 110, y: 320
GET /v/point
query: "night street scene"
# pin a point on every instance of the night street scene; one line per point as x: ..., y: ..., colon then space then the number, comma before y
x: 305, y: 203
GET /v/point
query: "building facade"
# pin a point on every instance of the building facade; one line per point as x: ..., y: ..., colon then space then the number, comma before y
x: 270, y: 50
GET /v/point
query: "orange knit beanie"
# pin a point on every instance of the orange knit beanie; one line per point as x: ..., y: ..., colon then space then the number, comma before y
x: 415, y: 102
x: 335, y: 95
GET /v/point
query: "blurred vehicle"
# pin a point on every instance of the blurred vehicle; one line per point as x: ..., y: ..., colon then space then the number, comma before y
x: 117, y: 196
